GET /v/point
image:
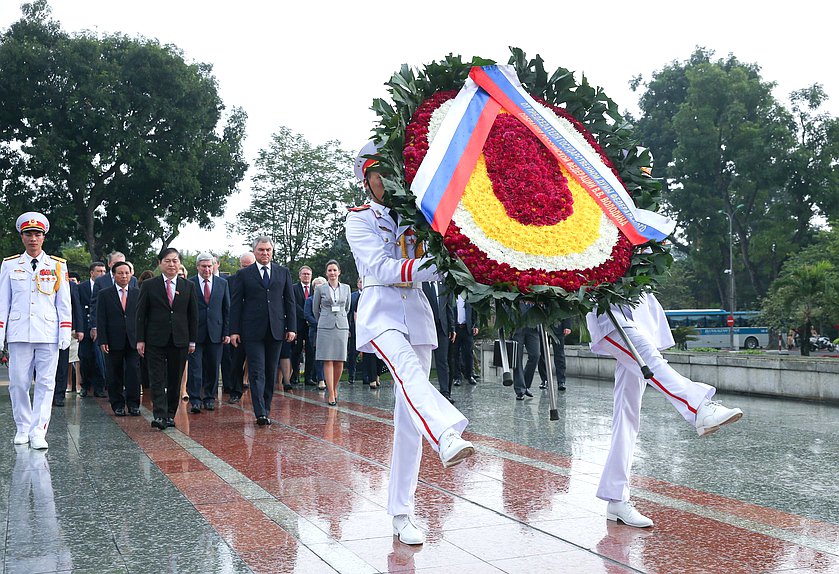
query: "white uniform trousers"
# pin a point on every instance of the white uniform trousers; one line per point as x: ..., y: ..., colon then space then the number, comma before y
x: 684, y: 394
x: 25, y: 361
x: 420, y: 411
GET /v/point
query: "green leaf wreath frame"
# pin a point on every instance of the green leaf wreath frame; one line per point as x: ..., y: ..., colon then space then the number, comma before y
x: 597, y: 112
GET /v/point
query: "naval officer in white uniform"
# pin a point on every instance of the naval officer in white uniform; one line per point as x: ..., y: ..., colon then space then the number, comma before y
x: 647, y: 328
x: 36, y: 320
x: 394, y: 321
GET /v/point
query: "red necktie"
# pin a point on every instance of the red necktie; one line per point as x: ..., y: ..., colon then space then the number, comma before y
x: 169, y: 290
x: 206, y: 292
x: 122, y: 297
x: 305, y: 291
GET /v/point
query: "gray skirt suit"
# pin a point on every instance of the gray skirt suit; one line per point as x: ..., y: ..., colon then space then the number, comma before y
x: 331, y: 308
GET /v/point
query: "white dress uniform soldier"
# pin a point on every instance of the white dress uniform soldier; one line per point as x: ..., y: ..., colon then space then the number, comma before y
x: 647, y: 328
x: 35, y: 318
x: 394, y: 321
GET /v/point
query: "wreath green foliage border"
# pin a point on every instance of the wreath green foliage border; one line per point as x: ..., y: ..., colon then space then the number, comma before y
x: 590, y: 105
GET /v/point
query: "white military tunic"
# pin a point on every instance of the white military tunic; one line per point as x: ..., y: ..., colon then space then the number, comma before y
x: 395, y: 321
x: 646, y: 326
x: 35, y: 317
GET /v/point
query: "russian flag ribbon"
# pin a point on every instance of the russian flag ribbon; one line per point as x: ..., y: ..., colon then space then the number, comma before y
x: 444, y: 172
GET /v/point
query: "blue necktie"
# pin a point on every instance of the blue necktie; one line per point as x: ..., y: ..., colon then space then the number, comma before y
x: 265, y: 278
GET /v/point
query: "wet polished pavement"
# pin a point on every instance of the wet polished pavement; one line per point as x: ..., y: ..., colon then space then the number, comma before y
x: 308, y: 494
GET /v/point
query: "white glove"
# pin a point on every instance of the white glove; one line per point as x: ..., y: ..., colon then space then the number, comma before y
x: 64, y: 335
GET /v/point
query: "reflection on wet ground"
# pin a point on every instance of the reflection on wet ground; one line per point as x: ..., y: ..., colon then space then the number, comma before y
x: 220, y: 494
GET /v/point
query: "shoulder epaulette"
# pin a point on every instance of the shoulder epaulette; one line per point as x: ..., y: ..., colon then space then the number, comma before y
x: 59, y: 259
x: 11, y: 257
x: 359, y: 208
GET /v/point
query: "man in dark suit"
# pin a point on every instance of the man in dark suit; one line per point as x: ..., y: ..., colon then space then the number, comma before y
x: 117, y: 337
x: 93, y: 377
x: 263, y: 314
x: 352, y: 351
x: 442, y: 307
x: 233, y: 368
x: 213, y: 332
x: 60, y: 394
x: 167, y: 327
x: 302, y: 291
x: 460, y: 357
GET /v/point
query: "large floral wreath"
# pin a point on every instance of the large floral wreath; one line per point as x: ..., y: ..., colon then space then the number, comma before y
x: 524, y: 229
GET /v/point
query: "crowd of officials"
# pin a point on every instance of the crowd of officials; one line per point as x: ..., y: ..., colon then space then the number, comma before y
x: 191, y: 328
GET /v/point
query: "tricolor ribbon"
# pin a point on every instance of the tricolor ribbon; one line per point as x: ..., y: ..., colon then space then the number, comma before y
x: 444, y: 172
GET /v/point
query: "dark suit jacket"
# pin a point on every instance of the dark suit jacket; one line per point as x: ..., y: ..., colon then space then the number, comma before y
x: 254, y: 309
x: 213, y: 319
x: 442, y: 307
x: 85, y: 297
x: 299, y: 300
x: 77, y: 309
x: 103, y: 282
x: 156, y: 321
x: 116, y: 326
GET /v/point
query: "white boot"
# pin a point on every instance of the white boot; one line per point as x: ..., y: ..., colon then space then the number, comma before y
x: 711, y: 415
x: 21, y: 438
x: 406, y: 530
x: 625, y: 512
x: 38, y: 442
x: 453, y: 449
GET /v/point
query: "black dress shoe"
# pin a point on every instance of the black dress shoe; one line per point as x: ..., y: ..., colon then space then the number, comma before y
x: 263, y: 421
x: 311, y: 383
x: 456, y: 382
x: 527, y: 393
x: 58, y: 401
x: 332, y: 403
x: 170, y: 423
x: 561, y: 386
x: 100, y: 394
x: 159, y: 424
x: 287, y: 388
x: 449, y: 398
x: 235, y: 399
x: 120, y: 412
x: 473, y: 381
x: 519, y: 397
x: 210, y: 406
x: 543, y: 385
x: 134, y: 411
x: 83, y: 393
x: 195, y: 409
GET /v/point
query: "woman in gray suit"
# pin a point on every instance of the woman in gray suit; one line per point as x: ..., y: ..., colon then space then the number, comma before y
x: 331, y: 305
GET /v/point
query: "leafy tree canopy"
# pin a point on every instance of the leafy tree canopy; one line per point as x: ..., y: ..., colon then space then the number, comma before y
x: 115, y: 139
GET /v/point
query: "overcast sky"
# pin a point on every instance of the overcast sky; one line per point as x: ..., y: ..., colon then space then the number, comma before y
x: 316, y: 66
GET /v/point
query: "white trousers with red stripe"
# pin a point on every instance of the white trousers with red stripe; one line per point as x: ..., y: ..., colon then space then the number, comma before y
x: 684, y: 394
x: 25, y: 361
x: 420, y: 411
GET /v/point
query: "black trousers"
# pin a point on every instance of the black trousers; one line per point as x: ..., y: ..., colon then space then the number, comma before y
x: 559, y: 361
x: 303, y: 344
x: 202, y: 384
x: 352, y: 356
x: 61, y: 374
x: 528, y: 338
x: 369, y: 368
x: 263, y: 358
x: 92, y: 375
x: 460, y: 355
x: 123, y: 377
x: 166, y: 367
x: 441, y: 361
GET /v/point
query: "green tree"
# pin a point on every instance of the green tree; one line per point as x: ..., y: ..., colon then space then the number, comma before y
x: 804, y: 293
x: 114, y: 138
x: 299, y: 196
x: 726, y: 148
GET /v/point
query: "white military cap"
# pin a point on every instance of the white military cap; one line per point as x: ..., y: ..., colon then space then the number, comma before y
x: 362, y: 164
x: 33, y: 220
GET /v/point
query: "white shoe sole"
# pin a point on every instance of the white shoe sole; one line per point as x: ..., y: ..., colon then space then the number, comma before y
x: 459, y: 456
x: 616, y: 518
x: 408, y: 542
x: 705, y: 431
x: 39, y: 446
